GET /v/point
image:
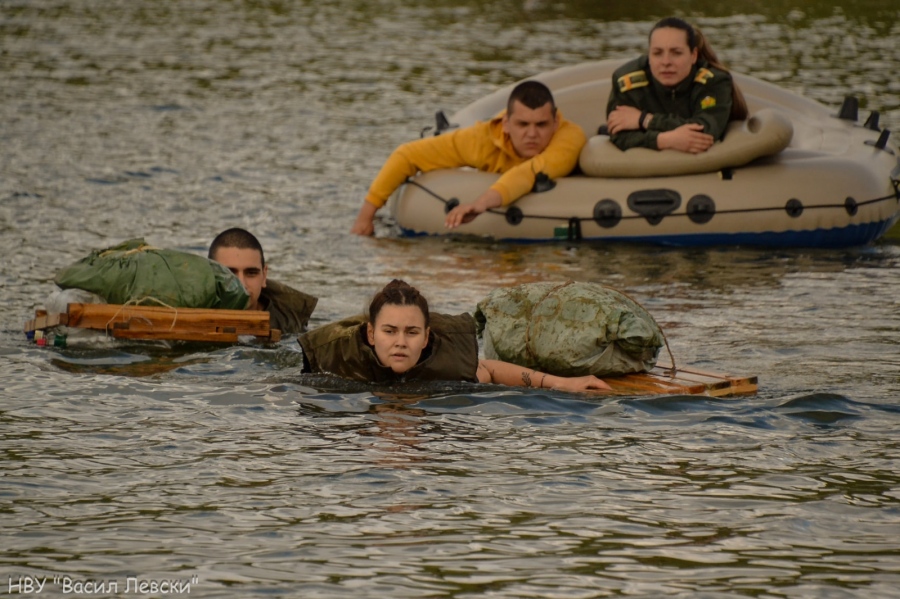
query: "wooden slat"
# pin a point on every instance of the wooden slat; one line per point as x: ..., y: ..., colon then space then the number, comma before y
x: 653, y: 385
x: 687, y: 381
x: 153, y: 318
x: 688, y: 378
x: 661, y: 365
x: 42, y: 320
x: 744, y: 385
x: 175, y: 336
x: 737, y: 384
x: 155, y: 322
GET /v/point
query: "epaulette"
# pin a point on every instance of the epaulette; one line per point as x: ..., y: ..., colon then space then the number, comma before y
x: 703, y: 75
x: 632, y: 81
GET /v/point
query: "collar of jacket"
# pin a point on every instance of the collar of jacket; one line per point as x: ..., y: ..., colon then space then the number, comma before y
x: 499, y: 137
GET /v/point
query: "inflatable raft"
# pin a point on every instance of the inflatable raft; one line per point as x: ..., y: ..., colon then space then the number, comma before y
x: 795, y: 174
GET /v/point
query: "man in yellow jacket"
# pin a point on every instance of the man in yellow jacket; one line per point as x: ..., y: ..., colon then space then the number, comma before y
x: 528, y: 138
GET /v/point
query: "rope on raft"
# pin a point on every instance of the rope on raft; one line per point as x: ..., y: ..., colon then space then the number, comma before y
x: 514, y: 215
x: 138, y: 302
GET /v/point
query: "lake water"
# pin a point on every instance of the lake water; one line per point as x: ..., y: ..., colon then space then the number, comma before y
x: 229, y: 472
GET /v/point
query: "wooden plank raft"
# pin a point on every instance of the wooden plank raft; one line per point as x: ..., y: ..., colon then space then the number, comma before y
x: 159, y: 323
x: 684, y: 381
x: 224, y: 326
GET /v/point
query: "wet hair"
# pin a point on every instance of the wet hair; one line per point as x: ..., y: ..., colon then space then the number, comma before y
x: 696, y: 40
x: 397, y: 293
x: 236, y: 238
x: 532, y: 94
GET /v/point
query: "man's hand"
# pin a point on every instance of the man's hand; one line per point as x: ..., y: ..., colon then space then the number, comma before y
x: 466, y: 213
x: 365, y: 220
x: 688, y: 138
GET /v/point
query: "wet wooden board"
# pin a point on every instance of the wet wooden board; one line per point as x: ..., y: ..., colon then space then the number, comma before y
x: 159, y: 323
x: 684, y: 381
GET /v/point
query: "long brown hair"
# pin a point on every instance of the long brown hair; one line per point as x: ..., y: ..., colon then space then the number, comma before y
x: 696, y: 39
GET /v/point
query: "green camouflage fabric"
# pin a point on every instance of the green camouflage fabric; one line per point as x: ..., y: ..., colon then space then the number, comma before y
x: 568, y: 329
x: 134, y: 272
x: 289, y: 309
x: 341, y: 348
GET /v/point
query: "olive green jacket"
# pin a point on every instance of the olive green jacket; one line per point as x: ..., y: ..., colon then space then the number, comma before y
x: 341, y: 348
x: 289, y: 309
x: 703, y: 97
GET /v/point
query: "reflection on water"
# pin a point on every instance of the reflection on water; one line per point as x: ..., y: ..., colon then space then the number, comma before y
x: 177, y: 120
x: 527, y: 495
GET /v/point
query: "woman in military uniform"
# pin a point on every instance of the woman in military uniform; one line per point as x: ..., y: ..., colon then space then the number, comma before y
x: 678, y: 96
x: 400, y: 340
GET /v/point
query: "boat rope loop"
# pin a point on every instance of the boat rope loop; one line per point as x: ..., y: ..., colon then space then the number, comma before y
x: 574, y: 233
x: 700, y: 209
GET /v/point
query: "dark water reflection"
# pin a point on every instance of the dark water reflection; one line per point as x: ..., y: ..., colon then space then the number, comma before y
x: 459, y: 495
x: 175, y: 120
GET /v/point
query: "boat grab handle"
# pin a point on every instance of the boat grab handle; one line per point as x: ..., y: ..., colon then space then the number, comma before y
x: 654, y: 204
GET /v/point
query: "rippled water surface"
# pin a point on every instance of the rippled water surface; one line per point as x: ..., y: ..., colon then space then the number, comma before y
x: 229, y: 470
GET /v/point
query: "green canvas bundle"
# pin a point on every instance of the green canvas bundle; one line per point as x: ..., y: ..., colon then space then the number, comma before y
x: 569, y: 329
x: 134, y: 272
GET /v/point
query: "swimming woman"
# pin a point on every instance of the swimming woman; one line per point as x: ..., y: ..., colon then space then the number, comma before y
x: 678, y: 96
x: 399, y: 340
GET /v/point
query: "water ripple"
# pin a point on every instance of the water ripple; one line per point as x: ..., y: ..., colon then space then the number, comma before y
x: 177, y: 120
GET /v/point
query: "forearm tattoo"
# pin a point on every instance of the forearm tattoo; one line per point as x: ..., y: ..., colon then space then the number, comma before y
x: 526, y: 378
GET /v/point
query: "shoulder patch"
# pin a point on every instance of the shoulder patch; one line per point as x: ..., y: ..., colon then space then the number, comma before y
x: 633, y: 80
x: 707, y: 102
x: 703, y: 75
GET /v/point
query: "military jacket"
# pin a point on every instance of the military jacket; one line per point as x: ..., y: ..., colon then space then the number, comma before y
x: 342, y: 348
x: 703, y: 97
x: 289, y: 309
x: 487, y: 147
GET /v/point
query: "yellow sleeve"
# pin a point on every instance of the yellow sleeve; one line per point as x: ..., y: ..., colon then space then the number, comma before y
x: 462, y: 147
x: 558, y: 160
